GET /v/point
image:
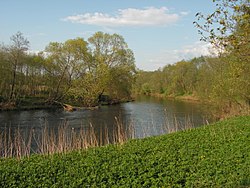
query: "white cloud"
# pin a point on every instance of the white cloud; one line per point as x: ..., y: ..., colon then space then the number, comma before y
x: 172, y: 56
x: 194, y: 50
x: 184, y: 13
x: 150, y: 16
x: 32, y: 52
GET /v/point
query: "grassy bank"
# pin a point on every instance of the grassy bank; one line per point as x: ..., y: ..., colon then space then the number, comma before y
x: 191, y: 98
x: 211, y: 156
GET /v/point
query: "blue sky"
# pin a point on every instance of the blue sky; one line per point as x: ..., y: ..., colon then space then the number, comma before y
x: 159, y: 32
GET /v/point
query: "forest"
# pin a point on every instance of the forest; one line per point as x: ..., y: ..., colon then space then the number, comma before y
x: 74, y: 71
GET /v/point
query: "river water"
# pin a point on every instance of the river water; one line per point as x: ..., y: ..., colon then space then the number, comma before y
x: 148, y: 116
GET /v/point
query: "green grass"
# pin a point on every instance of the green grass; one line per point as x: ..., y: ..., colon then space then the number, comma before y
x: 212, y: 156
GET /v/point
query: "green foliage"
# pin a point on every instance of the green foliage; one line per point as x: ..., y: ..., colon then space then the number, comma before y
x: 74, y: 71
x: 149, y: 83
x: 12, y: 64
x: 113, y: 54
x: 210, y: 156
x: 223, y: 79
x: 228, y: 30
x: 87, y: 88
x: 180, y: 78
x: 85, y: 71
x: 66, y: 62
x: 227, y: 27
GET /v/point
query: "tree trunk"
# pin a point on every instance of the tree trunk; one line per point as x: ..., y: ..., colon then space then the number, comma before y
x: 13, y: 84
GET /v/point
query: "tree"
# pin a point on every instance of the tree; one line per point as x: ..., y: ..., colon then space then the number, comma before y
x: 228, y: 26
x: 5, y: 72
x: 65, y: 62
x: 82, y: 72
x: 112, y: 52
x: 70, y: 71
x: 34, y: 75
x: 108, y: 49
x: 87, y: 89
x: 16, y: 52
x: 228, y: 29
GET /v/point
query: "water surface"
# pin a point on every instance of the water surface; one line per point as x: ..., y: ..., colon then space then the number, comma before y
x: 148, y: 116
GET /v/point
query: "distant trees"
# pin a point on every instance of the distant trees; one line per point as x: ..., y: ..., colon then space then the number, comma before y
x: 223, y: 79
x: 181, y: 78
x: 76, y: 71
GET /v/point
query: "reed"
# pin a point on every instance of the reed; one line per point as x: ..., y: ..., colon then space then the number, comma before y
x: 47, y: 141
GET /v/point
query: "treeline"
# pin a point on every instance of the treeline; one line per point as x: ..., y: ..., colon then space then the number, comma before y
x: 213, y: 79
x: 223, y: 79
x: 181, y: 78
x: 75, y: 71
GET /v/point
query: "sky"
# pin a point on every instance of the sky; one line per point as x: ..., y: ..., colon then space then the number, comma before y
x: 159, y: 32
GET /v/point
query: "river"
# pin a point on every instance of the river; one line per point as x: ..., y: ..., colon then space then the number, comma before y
x: 147, y: 116
x: 49, y: 131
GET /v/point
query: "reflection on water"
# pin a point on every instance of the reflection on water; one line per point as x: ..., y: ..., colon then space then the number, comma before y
x: 149, y: 116
x: 154, y: 115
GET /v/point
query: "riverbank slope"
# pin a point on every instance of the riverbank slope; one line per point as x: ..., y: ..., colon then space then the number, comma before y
x: 211, y: 156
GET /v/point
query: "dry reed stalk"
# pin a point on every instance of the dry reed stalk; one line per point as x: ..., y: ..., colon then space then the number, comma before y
x: 120, y: 134
x: 65, y: 139
x: 131, y: 131
x: 14, y: 144
x: 28, y: 146
x: 93, y: 137
x: 188, y: 123
x: 83, y: 140
x: 106, y: 136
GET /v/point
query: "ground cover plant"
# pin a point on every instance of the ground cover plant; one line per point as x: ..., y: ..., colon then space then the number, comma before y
x: 211, y: 156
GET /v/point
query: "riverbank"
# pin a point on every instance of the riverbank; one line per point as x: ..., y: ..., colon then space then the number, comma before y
x: 217, y: 110
x: 29, y: 103
x: 21, y: 108
x: 37, y: 105
x: 211, y: 156
x: 190, y: 98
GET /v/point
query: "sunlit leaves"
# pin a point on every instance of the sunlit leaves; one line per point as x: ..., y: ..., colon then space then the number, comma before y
x: 223, y: 22
x: 228, y: 30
